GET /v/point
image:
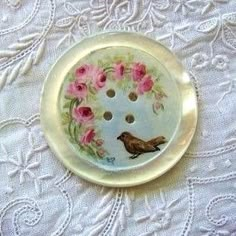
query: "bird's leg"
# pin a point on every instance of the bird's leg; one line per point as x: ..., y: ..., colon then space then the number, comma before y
x: 134, y: 156
x: 157, y: 148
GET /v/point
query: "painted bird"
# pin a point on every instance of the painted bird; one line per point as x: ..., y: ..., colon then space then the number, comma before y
x: 138, y: 146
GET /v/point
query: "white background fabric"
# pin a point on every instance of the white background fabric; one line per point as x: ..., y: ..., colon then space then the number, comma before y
x: 38, y: 196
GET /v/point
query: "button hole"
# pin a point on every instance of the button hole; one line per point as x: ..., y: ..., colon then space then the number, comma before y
x: 111, y: 93
x: 107, y: 115
x: 133, y: 96
x: 130, y: 118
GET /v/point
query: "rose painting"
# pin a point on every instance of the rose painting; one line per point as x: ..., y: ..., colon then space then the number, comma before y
x: 80, y: 108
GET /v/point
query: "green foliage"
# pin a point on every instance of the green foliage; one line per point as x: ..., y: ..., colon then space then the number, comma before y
x: 99, y: 112
x: 66, y: 104
x: 92, y: 90
x: 118, y: 58
x: 70, y: 77
x: 130, y: 58
x: 90, y: 150
x: 66, y: 118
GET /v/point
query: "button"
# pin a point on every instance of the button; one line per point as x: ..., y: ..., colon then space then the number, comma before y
x: 118, y: 109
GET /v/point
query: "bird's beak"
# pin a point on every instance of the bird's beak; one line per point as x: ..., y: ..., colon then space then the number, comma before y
x: 118, y: 137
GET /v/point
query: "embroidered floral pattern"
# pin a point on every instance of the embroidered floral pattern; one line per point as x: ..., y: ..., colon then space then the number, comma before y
x: 209, y: 4
x: 184, y: 6
x: 13, y: 3
x: 31, y: 44
x: 126, y: 15
x: 76, y: 21
x: 27, y: 208
x: 220, y: 223
x: 159, y: 216
x: 221, y: 26
x: 25, y: 166
x: 213, y: 232
x: 228, y: 87
x: 174, y: 32
x: 220, y: 62
x: 199, y: 60
x: 22, y: 167
x: 26, y: 52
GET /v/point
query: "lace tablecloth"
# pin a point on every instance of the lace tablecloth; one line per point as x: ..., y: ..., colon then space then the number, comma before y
x: 38, y: 196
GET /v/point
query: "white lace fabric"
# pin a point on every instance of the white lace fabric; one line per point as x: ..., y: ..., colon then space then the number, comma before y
x: 38, y: 196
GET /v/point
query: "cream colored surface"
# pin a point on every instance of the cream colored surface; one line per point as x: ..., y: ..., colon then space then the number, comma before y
x: 50, y: 115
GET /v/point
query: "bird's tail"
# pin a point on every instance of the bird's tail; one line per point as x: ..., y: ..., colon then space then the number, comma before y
x: 157, y: 141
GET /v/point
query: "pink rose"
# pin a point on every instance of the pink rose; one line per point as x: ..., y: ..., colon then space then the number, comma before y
x: 99, y: 142
x: 83, y: 114
x: 101, y: 152
x: 119, y: 70
x: 87, y: 137
x: 145, y: 84
x: 99, y: 79
x: 77, y: 89
x: 138, y: 71
x: 83, y: 71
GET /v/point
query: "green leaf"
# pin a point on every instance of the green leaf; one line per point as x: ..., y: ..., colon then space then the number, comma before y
x: 78, y: 102
x: 152, y: 70
x: 75, y: 133
x: 93, y: 144
x: 68, y: 97
x: 90, y: 151
x: 100, y: 63
x: 119, y: 84
x: 72, y: 103
x: 81, y: 148
x: 157, y: 87
x: 72, y: 140
x: 98, y: 132
x: 98, y: 112
x: 70, y: 78
x: 162, y: 107
x: 91, y: 98
x: 118, y: 58
x: 154, y: 110
x: 66, y: 104
x: 99, y: 116
x: 65, y: 118
x: 130, y: 57
x: 107, y: 64
x: 92, y: 90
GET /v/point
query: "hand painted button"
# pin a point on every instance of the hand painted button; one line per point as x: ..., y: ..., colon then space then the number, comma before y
x: 118, y: 109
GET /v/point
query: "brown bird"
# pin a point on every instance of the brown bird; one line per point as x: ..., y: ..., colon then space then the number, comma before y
x: 137, y: 146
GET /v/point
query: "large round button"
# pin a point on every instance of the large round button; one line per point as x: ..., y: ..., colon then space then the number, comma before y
x: 118, y: 109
